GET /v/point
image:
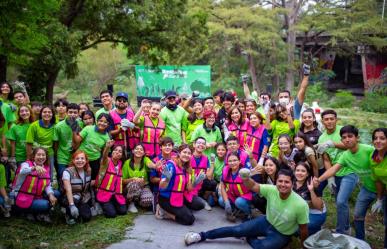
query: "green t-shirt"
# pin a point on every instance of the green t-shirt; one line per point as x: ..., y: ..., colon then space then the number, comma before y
x: 3, y: 182
x: 63, y: 135
x: 278, y: 128
x: 128, y: 172
x: 284, y: 215
x: 334, y: 153
x: 18, y: 133
x: 8, y: 114
x: 379, y: 170
x: 173, y: 123
x: 37, y: 135
x: 102, y: 110
x: 211, y: 136
x: 218, y: 169
x: 189, y: 128
x: 359, y: 164
x: 3, y: 130
x: 93, y: 142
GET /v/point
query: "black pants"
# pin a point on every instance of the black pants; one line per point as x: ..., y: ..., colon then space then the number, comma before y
x: 208, y: 185
x: 260, y: 203
x: 83, y: 209
x: 94, y: 165
x: 112, y: 208
x: 183, y: 214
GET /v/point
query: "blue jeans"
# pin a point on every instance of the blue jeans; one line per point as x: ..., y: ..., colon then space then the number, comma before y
x: 323, y: 184
x: 1, y: 201
x: 315, y: 222
x: 42, y: 205
x: 251, y: 230
x: 240, y: 203
x: 61, y: 168
x: 363, y: 202
x: 344, y: 188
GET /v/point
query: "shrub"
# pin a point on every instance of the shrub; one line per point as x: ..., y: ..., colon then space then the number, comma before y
x: 317, y: 92
x: 374, y: 102
x: 343, y: 99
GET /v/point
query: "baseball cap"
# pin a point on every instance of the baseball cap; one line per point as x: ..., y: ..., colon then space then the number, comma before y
x: 122, y: 95
x: 170, y: 93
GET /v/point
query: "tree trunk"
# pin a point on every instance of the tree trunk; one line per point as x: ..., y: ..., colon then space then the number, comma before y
x: 3, y: 68
x: 253, y: 73
x: 51, y: 78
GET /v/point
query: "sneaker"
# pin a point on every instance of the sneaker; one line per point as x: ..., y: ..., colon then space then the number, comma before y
x: 7, y: 214
x: 30, y: 217
x: 69, y: 220
x: 160, y: 213
x: 98, y: 208
x: 207, y: 206
x: 44, y: 218
x: 191, y: 238
x: 132, y: 208
x: 230, y: 217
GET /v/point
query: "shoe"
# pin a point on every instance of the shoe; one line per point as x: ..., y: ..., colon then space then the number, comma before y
x: 207, y: 206
x: 69, y: 221
x: 346, y: 232
x: 230, y: 217
x: 160, y: 213
x: 132, y: 208
x: 191, y: 238
x: 30, y: 217
x: 44, y: 218
x: 7, y: 214
x: 211, y: 201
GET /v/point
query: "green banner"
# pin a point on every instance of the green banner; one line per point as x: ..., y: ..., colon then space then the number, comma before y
x: 155, y: 81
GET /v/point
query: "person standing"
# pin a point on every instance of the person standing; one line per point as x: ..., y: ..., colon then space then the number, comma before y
x: 173, y: 116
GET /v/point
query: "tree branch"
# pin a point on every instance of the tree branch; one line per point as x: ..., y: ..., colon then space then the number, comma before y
x: 101, y: 40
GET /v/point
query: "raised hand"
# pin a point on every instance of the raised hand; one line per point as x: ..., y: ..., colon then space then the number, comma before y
x: 167, y: 173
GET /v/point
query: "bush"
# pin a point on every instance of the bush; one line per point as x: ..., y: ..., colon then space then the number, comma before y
x: 317, y: 92
x: 373, y: 102
x: 343, y: 99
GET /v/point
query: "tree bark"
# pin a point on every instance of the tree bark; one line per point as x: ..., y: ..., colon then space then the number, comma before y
x: 3, y: 68
x: 253, y: 73
x: 51, y: 78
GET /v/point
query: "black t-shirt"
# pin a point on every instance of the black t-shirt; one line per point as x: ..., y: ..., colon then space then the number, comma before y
x: 313, y: 135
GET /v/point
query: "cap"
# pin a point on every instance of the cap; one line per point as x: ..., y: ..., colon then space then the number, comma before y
x: 170, y: 93
x: 184, y: 96
x: 122, y: 95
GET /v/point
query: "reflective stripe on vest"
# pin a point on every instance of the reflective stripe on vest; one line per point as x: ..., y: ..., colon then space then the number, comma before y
x: 235, y: 187
x: 254, y: 139
x: 151, y: 136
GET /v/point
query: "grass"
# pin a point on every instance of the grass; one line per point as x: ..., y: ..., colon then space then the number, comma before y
x: 100, y: 232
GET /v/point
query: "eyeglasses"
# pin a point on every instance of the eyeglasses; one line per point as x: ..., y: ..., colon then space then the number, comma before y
x: 171, y: 98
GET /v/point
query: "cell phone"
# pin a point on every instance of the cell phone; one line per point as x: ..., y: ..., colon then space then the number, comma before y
x: 245, y: 77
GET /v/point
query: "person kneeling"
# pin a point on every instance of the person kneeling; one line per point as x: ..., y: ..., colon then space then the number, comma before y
x: 76, y: 185
x: 109, y: 192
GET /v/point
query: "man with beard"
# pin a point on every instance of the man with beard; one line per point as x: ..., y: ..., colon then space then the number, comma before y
x: 106, y: 97
x: 173, y: 116
x: 123, y: 129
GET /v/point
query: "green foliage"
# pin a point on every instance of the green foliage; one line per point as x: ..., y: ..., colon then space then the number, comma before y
x: 373, y: 102
x: 97, y: 233
x: 317, y: 92
x: 343, y: 99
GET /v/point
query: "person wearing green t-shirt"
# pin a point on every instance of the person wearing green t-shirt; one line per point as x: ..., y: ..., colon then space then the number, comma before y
x: 209, y: 131
x: 193, y: 120
x: 173, y: 116
x: 61, y: 109
x: 221, y: 151
x: 135, y: 178
x: 286, y: 213
x: 283, y: 124
x: 330, y: 148
x: 5, y: 201
x: 378, y: 161
x: 17, y: 136
x: 356, y: 161
x: 106, y: 97
x: 40, y: 134
x: 92, y: 140
x: 63, y: 133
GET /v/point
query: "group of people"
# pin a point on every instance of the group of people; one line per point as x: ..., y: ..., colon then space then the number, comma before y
x: 186, y: 153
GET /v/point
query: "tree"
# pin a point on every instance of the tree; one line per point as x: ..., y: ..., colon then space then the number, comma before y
x: 245, y: 37
x: 148, y: 29
x: 20, y: 30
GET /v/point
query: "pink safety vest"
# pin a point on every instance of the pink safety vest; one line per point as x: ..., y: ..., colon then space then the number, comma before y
x: 33, y: 187
x: 239, y: 131
x: 196, y: 170
x: 133, y: 135
x: 151, y: 136
x: 111, y: 184
x: 235, y: 187
x: 254, y: 139
x: 180, y: 180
